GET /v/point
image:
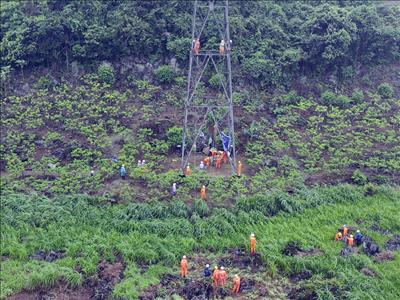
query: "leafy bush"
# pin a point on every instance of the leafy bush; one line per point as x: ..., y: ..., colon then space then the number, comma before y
x: 106, y: 73
x: 174, y: 136
x: 165, y: 74
x: 386, y: 90
x: 359, y: 177
x: 215, y: 80
x: 357, y: 96
x: 328, y: 97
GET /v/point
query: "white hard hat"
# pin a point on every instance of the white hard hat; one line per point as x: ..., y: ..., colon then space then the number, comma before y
x: 222, y: 268
x: 351, y: 235
x: 252, y: 234
x: 123, y: 165
x: 358, y: 230
x: 184, y: 256
x: 207, y: 265
x: 344, y: 225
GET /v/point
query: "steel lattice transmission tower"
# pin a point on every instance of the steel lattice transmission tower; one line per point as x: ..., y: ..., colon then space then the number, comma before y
x: 207, y: 107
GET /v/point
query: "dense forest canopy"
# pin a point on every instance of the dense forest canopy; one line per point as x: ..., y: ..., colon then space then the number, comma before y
x: 273, y: 41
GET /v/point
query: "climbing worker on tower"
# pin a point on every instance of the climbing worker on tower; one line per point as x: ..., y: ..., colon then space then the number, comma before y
x: 358, y: 238
x: 223, y: 276
x: 338, y: 236
x: 122, y: 172
x: 203, y: 192
x: 188, y: 171
x: 196, y: 47
x: 207, y: 271
x: 236, y: 284
x: 216, y: 276
x: 253, y: 243
x: 184, y: 267
x: 239, y: 169
x: 222, y: 47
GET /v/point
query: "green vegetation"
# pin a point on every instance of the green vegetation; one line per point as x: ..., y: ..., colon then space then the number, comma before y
x: 164, y: 233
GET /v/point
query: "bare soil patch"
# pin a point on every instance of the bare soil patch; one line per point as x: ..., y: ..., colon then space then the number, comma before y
x: 97, y: 287
x: 384, y: 256
x: 294, y: 249
x: 394, y: 243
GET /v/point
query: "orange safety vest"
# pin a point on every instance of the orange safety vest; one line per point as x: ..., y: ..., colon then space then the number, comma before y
x: 350, y: 241
x: 345, y: 231
x: 236, y: 284
x: 222, y: 277
x: 338, y: 236
x: 203, y: 193
x: 216, y: 277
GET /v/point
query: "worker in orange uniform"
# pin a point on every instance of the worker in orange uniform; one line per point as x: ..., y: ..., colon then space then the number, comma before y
x: 184, y: 267
x: 222, y: 47
x: 219, y: 162
x: 338, y: 236
x: 239, y: 169
x: 216, y: 276
x: 196, y: 47
x: 207, y: 161
x: 223, y: 276
x: 225, y: 157
x: 188, y: 171
x: 253, y: 243
x: 345, y: 230
x: 236, y: 284
x: 350, y: 241
x: 203, y: 192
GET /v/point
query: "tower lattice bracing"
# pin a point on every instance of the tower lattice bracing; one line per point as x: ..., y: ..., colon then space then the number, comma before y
x: 209, y: 118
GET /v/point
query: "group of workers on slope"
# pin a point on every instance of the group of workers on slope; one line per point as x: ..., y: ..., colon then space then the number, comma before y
x: 122, y: 169
x: 215, y: 159
x: 343, y: 234
x: 219, y: 275
x: 222, y: 46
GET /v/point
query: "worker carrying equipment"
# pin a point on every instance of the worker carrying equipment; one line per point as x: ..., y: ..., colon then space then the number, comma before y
x: 358, y: 238
x: 203, y: 192
x: 345, y: 230
x: 236, y: 284
x: 350, y: 241
x: 207, y: 271
x: 188, y: 171
x: 223, y: 276
x: 196, y: 47
x: 222, y: 47
x: 122, y: 171
x: 239, y: 169
x: 216, y: 276
x: 184, y: 266
x: 253, y: 243
x: 338, y: 236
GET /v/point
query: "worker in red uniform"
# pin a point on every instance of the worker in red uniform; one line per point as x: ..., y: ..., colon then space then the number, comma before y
x: 203, y: 192
x: 239, y: 169
x: 345, y: 230
x: 216, y: 277
x: 253, y: 243
x: 236, y: 284
x: 188, y: 171
x: 196, y: 47
x: 184, y: 267
x: 207, y: 161
x: 350, y: 241
x: 223, y: 276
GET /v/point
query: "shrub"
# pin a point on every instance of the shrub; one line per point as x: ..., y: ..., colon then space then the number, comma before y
x: 328, y: 97
x: 291, y: 98
x: 45, y: 83
x: 165, y: 74
x: 357, y: 96
x: 385, y: 90
x: 359, y: 177
x: 215, y: 80
x: 106, y: 73
x: 174, y: 136
x: 370, y: 189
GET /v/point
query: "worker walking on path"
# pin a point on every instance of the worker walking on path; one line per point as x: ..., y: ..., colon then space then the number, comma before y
x: 184, y: 267
x: 122, y: 172
x: 188, y: 171
x: 239, y: 169
x: 338, y: 236
x: 223, y: 276
x: 216, y: 276
x: 253, y: 243
x: 236, y: 284
x: 196, y: 47
x: 203, y: 192
x: 222, y: 47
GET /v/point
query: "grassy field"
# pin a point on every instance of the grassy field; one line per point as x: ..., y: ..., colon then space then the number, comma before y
x: 155, y: 235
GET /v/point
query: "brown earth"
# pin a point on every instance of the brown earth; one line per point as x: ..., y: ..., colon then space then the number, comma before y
x: 97, y: 287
